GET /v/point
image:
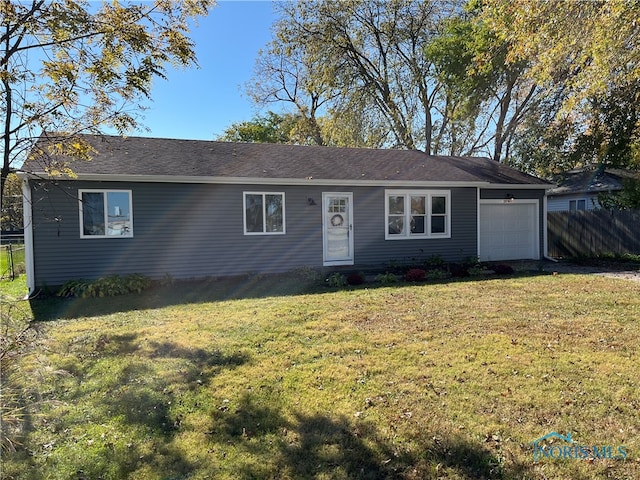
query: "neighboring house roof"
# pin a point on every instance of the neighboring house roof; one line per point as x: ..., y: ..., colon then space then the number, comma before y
x: 193, y: 160
x: 592, y: 180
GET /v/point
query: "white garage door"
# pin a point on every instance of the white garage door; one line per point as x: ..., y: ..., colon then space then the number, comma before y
x: 508, y: 231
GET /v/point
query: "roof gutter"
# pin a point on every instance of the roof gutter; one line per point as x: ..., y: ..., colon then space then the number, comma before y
x: 285, y: 181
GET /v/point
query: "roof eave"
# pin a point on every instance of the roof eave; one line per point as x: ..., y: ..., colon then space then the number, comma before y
x: 525, y: 186
x: 583, y: 192
x: 284, y: 181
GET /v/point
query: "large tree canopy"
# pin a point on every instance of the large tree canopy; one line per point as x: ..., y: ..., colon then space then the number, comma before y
x: 410, y: 74
x: 269, y: 128
x: 547, y: 86
x: 363, y: 56
x: 605, y: 130
x: 484, y: 98
x: 79, y: 66
x: 587, y: 56
x: 587, y: 45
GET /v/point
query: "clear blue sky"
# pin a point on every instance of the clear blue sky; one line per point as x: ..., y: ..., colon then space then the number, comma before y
x: 201, y: 103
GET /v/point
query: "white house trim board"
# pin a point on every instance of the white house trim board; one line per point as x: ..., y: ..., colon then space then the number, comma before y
x: 28, y: 236
x: 545, y: 226
x: 478, y: 223
x: 266, y: 180
x: 512, y: 186
x: 286, y: 181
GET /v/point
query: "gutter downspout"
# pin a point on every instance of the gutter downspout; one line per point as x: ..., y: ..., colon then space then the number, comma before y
x: 545, y: 233
x: 478, y: 222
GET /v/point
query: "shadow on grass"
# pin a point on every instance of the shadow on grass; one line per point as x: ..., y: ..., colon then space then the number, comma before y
x: 118, y: 405
x: 143, y: 397
x: 179, y: 293
x: 194, y: 292
x: 329, y: 446
x: 116, y: 345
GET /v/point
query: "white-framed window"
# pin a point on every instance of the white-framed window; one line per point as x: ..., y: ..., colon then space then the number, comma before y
x: 105, y: 213
x: 417, y: 214
x: 264, y: 213
x: 577, y: 205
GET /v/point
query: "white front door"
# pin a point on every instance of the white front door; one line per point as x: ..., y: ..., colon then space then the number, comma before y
x: 337, y: 228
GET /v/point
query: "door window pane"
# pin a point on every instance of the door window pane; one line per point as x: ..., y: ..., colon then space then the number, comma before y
x: 337, y: 205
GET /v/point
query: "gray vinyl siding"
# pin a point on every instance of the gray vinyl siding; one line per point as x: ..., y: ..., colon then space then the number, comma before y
x: 196, y: 231
x: 518, y: 193
x: 560, y: 203
x: 371, y: 248
x: 184, y: 230
x: 500, y: 194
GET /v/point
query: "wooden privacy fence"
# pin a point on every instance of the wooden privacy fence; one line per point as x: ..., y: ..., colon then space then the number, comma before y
x: 593, y: 232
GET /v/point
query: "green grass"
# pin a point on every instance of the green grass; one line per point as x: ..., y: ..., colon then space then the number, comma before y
x: 5, y: 260
x: 260, y: 380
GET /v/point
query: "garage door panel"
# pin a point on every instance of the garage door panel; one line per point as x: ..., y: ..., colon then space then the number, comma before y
x: 508, y: 231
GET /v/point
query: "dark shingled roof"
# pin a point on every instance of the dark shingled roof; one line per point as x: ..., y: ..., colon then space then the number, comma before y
x: 593, y: 180
x: 138, y: 156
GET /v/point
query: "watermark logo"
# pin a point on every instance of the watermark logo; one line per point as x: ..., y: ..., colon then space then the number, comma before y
x: 556, y: 446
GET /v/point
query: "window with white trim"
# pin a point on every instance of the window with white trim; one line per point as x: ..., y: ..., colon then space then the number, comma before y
x: 577, y: 205
x: 417, y: 214
x: 263, y: 213
x: 105, y: 213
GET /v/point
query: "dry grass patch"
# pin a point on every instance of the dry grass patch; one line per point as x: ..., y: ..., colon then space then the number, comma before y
x: 450, y: 380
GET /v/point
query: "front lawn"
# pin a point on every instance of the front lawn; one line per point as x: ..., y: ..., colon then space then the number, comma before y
x: 442, y: 380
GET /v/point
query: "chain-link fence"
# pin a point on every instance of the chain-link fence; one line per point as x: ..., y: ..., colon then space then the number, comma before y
x: 11, y: 260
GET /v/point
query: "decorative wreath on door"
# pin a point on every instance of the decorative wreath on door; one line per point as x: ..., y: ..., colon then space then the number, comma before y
x: 337, y: 220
